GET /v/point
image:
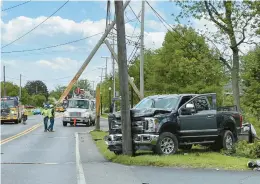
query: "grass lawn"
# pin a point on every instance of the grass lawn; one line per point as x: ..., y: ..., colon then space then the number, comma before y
x: 196, y: 158
x: 104, y: 116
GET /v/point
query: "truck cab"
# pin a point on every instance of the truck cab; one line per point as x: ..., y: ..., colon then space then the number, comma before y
x: 78, y: 111
x: 12, y: 110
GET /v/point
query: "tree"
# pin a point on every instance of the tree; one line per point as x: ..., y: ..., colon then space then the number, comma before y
x: 172, y: 69
x: 233, y: 20
x: 37, y: 87
x: 57, y: 92
x: 251, y: 80
x: 13, y: 90
x: 38, y: 100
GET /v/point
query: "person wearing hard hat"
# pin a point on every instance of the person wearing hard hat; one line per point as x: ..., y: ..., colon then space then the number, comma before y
x: 45, y: 114
x: 51, y: 114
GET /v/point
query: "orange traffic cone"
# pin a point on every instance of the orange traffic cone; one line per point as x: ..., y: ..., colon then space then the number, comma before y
x: 74, y: 121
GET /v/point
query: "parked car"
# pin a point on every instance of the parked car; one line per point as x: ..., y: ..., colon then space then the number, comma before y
x: 36, y: 111
x: 166, y: 123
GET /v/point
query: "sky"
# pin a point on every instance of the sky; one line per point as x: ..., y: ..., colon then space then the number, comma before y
x: 76, y: 20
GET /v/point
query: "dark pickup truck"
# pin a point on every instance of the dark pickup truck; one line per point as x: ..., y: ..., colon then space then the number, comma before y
x: 166, y: 123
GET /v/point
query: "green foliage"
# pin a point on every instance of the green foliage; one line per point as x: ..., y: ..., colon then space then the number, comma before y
x: 171, y: 69
x: 38, y: 100
x: 243, y: 149
x: 13, y: 90
x: 37, y: 87
x: 251, y: 78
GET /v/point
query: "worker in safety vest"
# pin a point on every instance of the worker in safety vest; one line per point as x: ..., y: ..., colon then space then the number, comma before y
x: 45, y: 114
x: 51, y: 114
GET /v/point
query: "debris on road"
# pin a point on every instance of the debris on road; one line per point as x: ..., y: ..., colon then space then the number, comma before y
x: 255, y: 165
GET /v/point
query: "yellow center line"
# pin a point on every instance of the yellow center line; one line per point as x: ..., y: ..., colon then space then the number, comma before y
x: 20, y: 134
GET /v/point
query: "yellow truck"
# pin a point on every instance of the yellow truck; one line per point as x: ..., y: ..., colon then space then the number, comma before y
x: 12, y: 110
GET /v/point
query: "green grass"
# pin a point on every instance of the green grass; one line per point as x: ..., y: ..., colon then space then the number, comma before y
x: 104, y: 116
x: 196, y: 158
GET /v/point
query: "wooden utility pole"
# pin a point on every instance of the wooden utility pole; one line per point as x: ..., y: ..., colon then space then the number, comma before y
x: 142, y: 53
x: 123, y: 79
x: 129, y: 78
x: 97, y: 108
x: 92, y: 53
x: 4, y: 82
x: 20, y: 89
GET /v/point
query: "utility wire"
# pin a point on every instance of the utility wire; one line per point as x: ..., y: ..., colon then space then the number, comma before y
x: 16, y: 5
x: 36, y: 26
x: 170, y: 31
x: 53, y: 46
x: 137, y: 17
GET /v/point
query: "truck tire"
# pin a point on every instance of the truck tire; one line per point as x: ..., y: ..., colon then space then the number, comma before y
x: 228, y: 140
x: 167, y: 144
x: 118, y: 152
x: 64, y: 123
x: 16, y: 121
x: 71, y: 124
x: 186, y: 147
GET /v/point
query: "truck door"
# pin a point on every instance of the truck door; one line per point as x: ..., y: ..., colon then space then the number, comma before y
x: 198, y: 119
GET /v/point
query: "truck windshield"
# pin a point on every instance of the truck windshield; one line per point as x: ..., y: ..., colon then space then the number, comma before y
x: 160, y: 103
x: 83, y: 104
x: 7, y: 104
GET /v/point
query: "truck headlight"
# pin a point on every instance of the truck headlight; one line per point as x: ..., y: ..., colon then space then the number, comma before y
x: 12, y: 112
x: 152, y: 124
x: 66, y: 114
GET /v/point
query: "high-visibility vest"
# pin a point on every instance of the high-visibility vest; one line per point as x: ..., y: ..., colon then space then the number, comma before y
x: 45, y: 112
x: 51, y: 113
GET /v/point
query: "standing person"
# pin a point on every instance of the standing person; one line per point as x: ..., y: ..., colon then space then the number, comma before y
x: 51, y: 114
x: 45, y: 114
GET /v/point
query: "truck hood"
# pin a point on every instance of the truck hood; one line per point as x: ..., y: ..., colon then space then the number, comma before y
x: 150, y: 112
x: 77, y: 110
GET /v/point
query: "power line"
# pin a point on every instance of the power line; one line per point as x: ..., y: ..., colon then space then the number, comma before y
x: 16, y: 5
x: 170, y: 31
x: 137, y: 17
x: 36, y: 26
x: 53, y: 46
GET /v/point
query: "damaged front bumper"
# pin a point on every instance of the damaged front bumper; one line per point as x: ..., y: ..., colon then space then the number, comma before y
x: 114, y: 141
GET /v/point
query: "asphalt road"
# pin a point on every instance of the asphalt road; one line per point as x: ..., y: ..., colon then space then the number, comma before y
x: 58, y: 158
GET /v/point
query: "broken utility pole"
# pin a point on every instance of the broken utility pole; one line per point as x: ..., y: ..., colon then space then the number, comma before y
x: 129, y: 78
x: 123, y: 77
x: 92, y: 53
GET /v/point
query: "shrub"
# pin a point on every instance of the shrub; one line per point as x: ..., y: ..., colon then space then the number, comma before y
x: 243, y: 149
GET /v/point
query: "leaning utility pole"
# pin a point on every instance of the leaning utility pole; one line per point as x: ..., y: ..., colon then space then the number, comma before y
x: 123, y: 80
x: 20, y: 89
x: 92, y: 53
x: 142, y: 53
x: 4, y: 83
x: 129, y: 78
x: 106, y: 57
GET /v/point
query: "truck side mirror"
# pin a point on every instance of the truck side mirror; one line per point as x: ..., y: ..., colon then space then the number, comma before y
x: 188, y: 109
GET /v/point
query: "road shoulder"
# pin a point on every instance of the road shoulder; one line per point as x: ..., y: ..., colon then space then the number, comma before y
x: 97, y: 169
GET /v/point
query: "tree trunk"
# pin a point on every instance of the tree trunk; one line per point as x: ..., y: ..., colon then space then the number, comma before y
x: 235, y: 79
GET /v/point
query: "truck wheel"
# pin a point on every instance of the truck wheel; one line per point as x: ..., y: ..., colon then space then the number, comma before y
x: 186, y: 147
x: 118, y: 152
x: 228, y: 140
x: 16, y: 121
x: 64, y: 123
x: 71, y: 124
x: 167, y: 144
